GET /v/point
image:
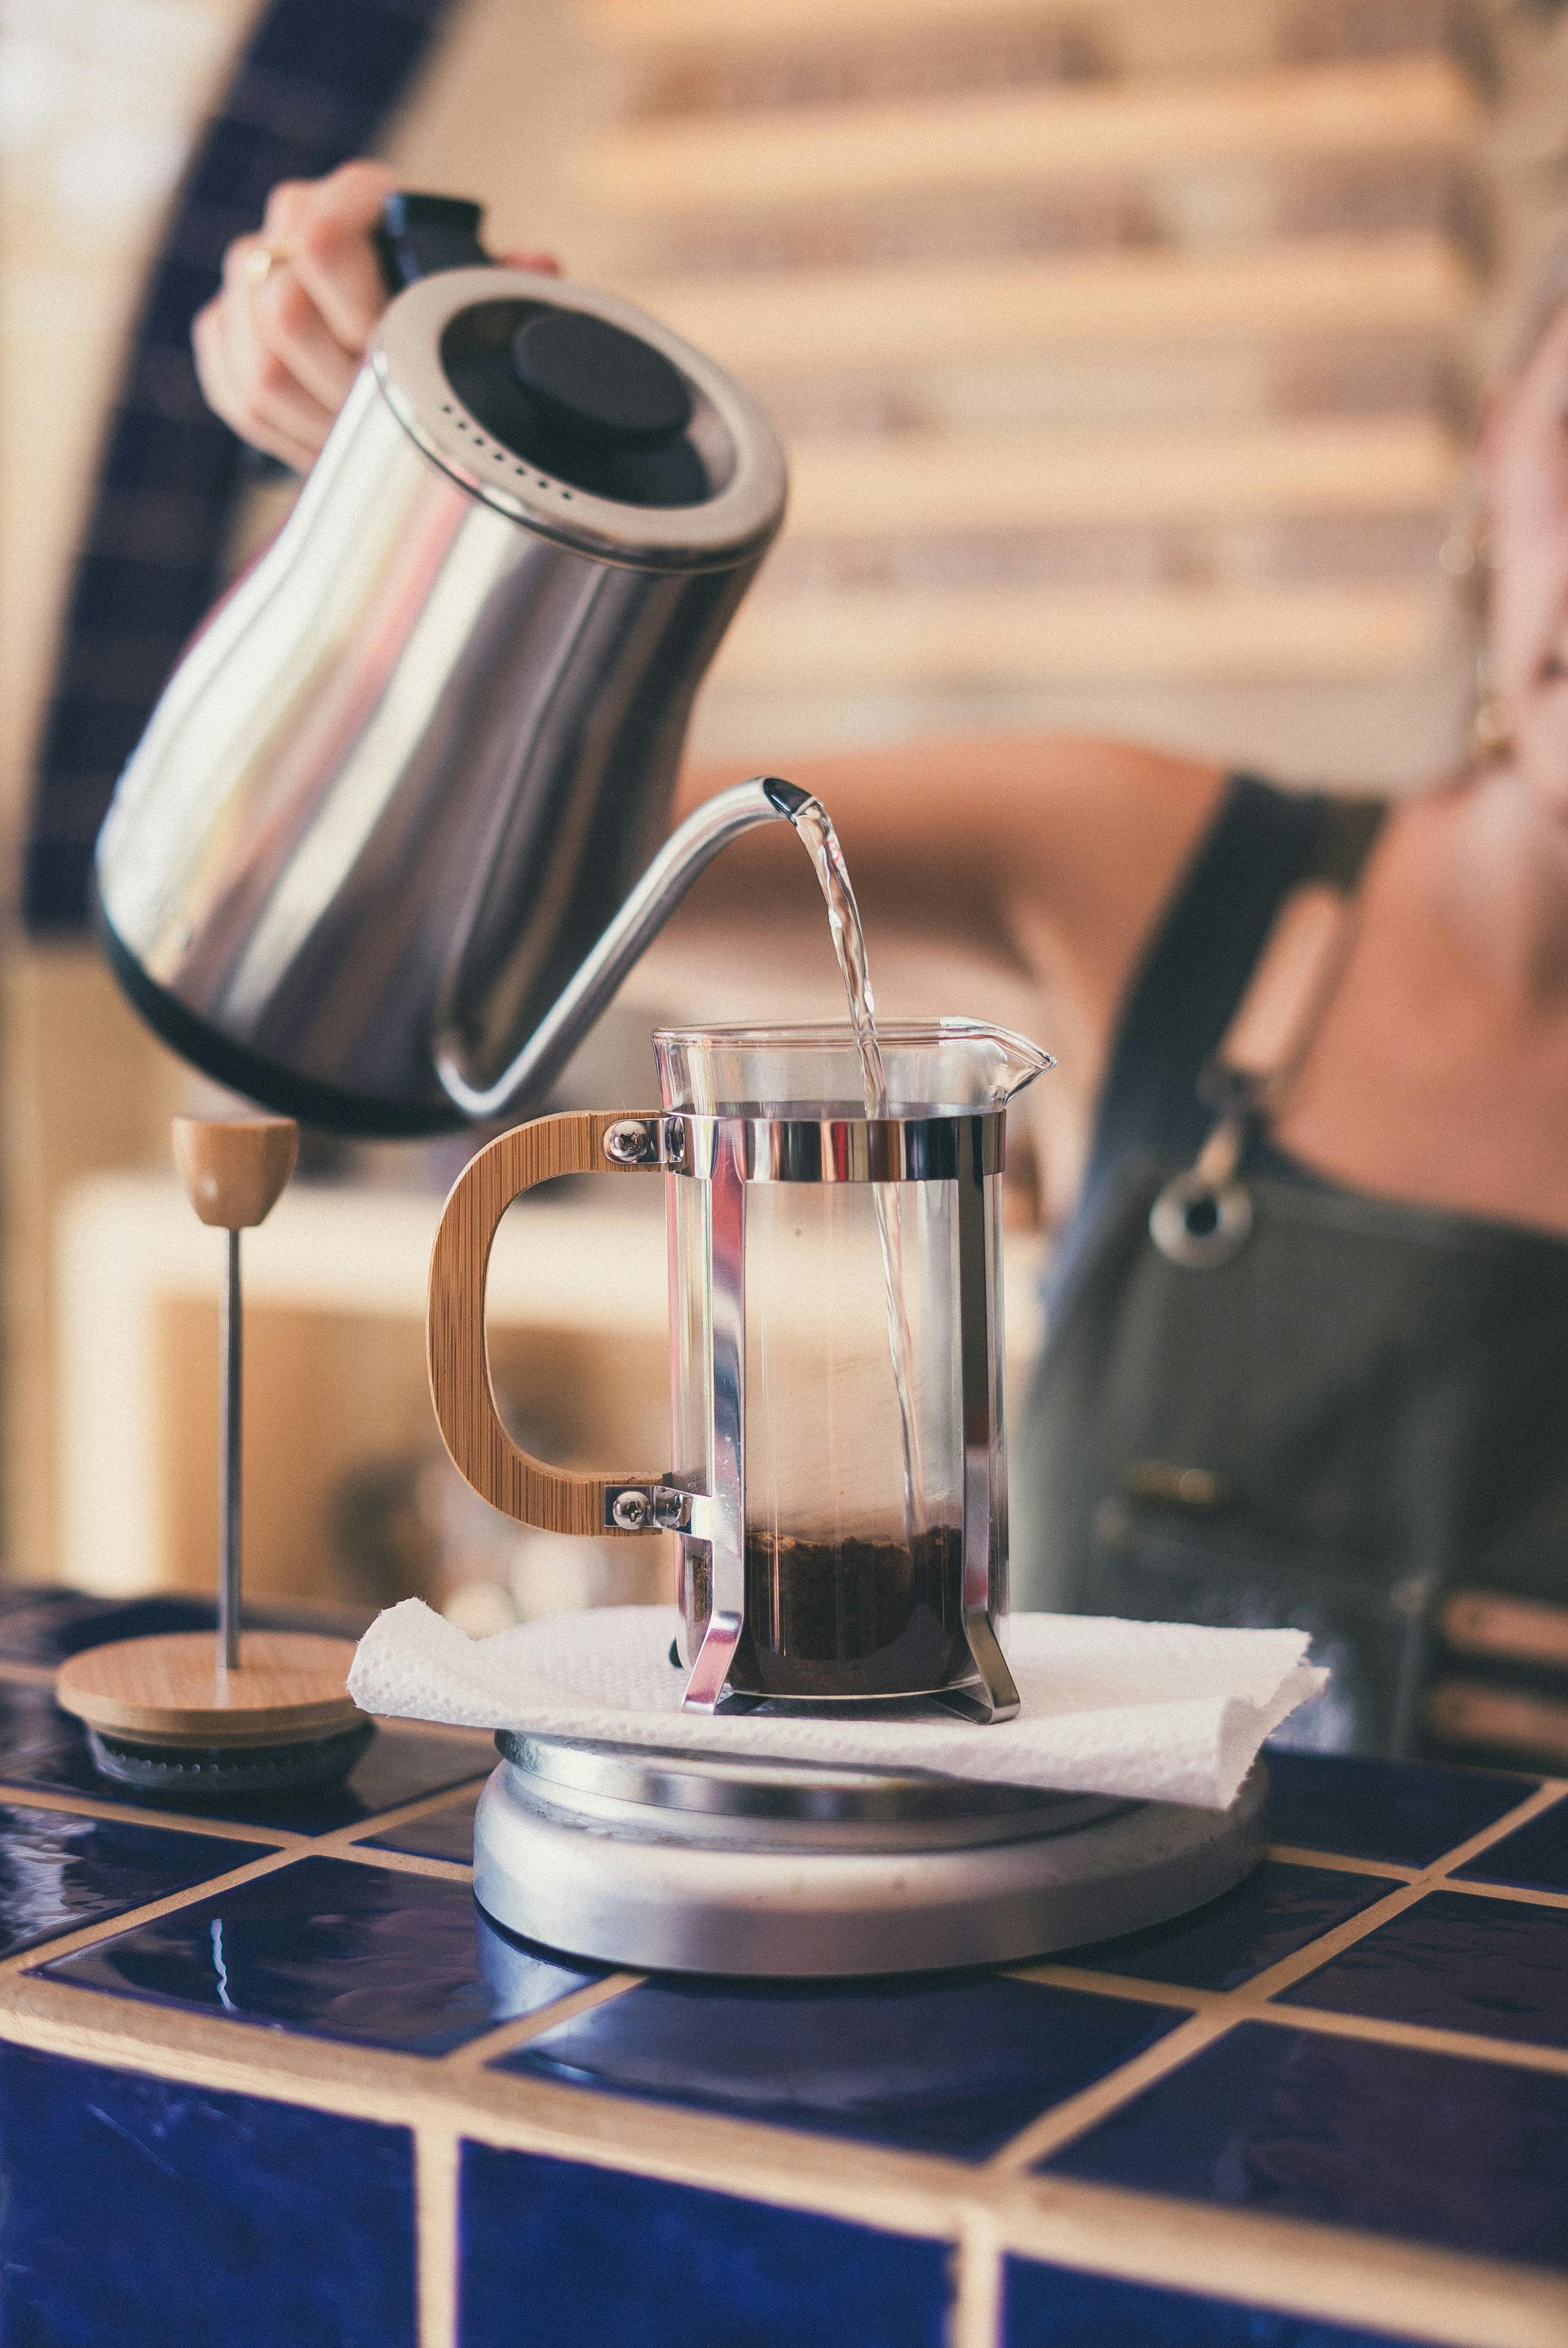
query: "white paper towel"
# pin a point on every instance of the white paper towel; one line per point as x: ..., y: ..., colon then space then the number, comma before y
x: 1164, y: 1711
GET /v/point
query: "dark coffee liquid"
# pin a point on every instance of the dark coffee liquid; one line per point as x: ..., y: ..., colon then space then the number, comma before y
x: 846, y: 1618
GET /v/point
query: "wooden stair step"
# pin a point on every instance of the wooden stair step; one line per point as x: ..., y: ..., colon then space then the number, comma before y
x: 1009, y: 480
x: 1030, y: 136
x: 808, y: 321
x: 1022, y: 636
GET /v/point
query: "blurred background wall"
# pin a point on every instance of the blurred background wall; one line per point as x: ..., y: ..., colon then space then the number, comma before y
x: 1127, y: 358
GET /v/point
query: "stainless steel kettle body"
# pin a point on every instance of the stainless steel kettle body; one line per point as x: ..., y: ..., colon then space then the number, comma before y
x: 382, y: 830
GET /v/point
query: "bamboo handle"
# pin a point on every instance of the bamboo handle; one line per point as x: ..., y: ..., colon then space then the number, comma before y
x: 556, y: 1499
x: 236, y: 1169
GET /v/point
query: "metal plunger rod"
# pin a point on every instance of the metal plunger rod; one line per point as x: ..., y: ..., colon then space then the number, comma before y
x: 233, y: 1383
x: 234, y: 1170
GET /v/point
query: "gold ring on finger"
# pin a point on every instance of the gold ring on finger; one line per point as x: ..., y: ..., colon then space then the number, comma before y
x: 261, y: 260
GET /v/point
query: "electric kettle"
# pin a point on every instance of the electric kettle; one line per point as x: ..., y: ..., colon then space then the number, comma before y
x: 383, y: 853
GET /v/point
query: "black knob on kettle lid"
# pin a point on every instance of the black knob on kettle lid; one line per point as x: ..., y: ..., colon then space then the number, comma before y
x: 600, y: 382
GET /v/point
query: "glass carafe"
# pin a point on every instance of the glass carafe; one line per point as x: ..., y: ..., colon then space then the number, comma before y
x: 839, y: 1478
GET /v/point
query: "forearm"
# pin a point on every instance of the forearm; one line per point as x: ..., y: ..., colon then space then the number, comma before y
x: 1057, y: 819
x: 1059, y: 850
x: 908, y: 811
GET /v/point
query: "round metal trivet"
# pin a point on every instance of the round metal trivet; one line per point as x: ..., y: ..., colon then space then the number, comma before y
x: 673, y: 1862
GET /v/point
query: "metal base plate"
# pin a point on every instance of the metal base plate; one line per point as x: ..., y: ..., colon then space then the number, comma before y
x: 668, y: 1863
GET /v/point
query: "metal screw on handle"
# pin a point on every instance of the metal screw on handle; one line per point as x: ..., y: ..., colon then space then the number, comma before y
x: 648, y: 1508
x: 634, y: 1141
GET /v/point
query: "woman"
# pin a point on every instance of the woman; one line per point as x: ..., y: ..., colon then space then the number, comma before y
x: 1308, y: 1357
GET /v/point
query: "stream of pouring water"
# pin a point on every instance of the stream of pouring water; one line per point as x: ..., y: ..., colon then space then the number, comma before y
x: 815, y: 826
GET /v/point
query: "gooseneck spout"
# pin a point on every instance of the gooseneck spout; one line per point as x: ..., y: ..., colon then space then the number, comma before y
x: 688, y: 852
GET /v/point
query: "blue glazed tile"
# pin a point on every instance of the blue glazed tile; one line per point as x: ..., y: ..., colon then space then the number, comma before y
x: 1278, y: 1910
x: 446, y: 1833
x: 1455, y: 1962
x: 601, y: 2260
x: 1399, y: 1811
x: 1534, y: 1856
x: 58, y: 1872
x: 140, y: 2211
x: 1391, y: 2139
x: 39, y: 1743
x: 44, y: 1749
x: 945, y: 2065
x: 44, y: 1626
x: 334, y: 1949
x: 1052, y: 2307
x: 400, y: 1764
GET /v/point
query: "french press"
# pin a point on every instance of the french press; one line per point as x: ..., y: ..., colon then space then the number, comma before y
x: 838, y: 1481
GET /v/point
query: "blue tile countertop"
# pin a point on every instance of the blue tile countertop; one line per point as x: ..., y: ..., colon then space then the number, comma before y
x: 269, y: 2077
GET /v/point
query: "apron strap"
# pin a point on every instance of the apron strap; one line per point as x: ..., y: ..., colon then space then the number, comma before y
x: 1294, y: 981
x: 1202, y: 1217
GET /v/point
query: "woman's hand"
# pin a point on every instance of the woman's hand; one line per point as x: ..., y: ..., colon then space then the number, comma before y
x: 278, y: 347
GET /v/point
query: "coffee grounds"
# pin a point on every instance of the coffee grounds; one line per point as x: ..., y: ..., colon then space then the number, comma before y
x: 846, y: 1618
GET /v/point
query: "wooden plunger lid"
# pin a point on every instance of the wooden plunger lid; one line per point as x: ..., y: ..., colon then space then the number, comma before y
x: 290, y: 1690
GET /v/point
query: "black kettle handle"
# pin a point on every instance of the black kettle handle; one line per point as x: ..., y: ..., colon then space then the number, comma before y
x: 420, y: 235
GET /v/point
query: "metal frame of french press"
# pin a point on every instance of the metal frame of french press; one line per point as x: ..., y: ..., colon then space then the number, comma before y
x: 726, y: 1155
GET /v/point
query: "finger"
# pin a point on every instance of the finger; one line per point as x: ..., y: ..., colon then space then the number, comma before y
x: 329, y: 242
x: 270, y: 396
x: 353, y: 195
x: 223, y: 395
x: 219, y: 389
x: 291, y: 328
x: 542, y: 265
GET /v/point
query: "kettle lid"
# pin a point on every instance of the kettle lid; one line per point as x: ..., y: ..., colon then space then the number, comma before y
x: 582, y: 417
x: 599, y: 382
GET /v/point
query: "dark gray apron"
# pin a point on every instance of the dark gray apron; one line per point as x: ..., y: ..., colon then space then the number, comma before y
x: 1289, y: 1404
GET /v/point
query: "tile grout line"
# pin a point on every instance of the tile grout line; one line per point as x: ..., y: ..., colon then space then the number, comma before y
x: 1424, y: 2037
x: 1546, y: 1797
x: 106, y: 1928
x: 1301, y: 1961
x: 404, y: 1814
x: 436, y: 2160
x: 974, y: 2313
x: 1287, y: 1970
x: 1524, y: 1892
x: 136, y: 1814
x: 1227, y: 2007
x: 1239, y: 2005
x: 1098, y: 1983
x: 1249, y: 2001
x: 480, y: 2054
x: 1402, y: 1894
x: 1291, y: 1854
x: 1050, y: 2130
x: 924, y: 2196
x: 933, y: 2199
x: 401, y: 1862
x: 1320, y: 2271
